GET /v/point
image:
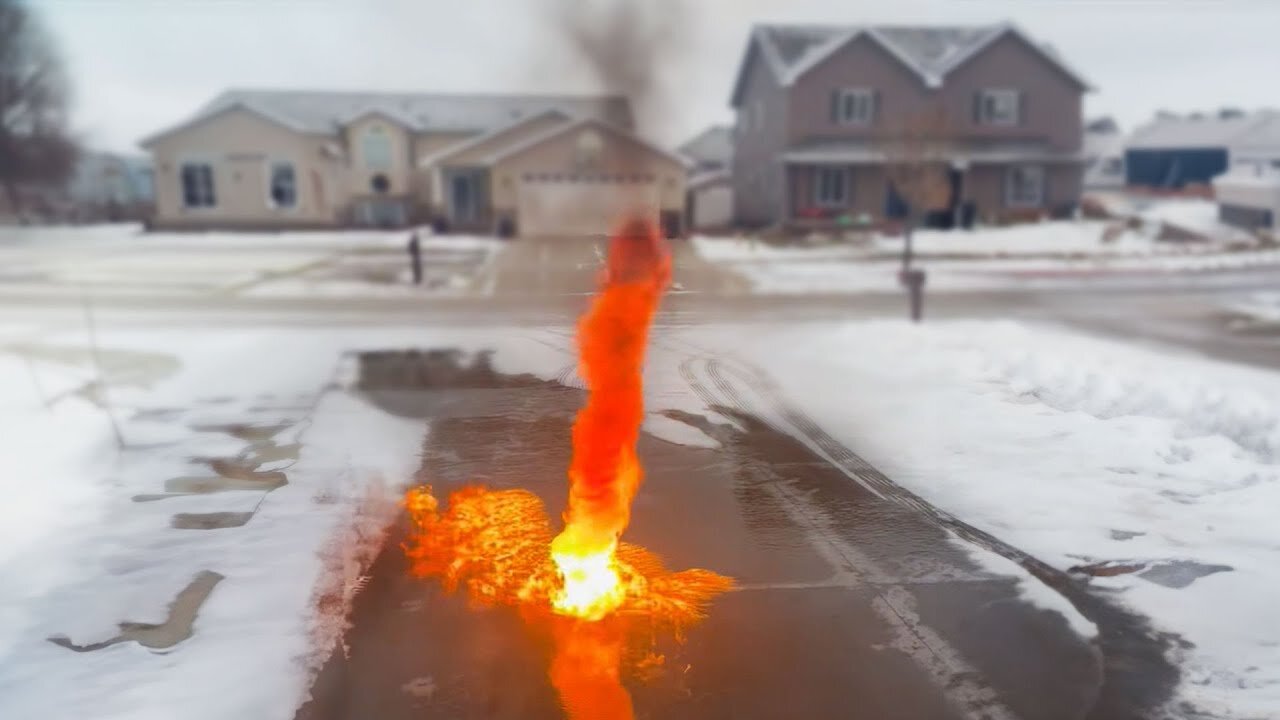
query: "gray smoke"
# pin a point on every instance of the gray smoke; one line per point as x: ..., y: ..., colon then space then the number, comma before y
x: 632, y: 48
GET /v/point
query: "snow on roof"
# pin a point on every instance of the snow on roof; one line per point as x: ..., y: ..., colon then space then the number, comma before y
x: 327, y: 111
x: 1104, y: 144
x: 558, y: 130
x: 477, y: 140
x: 1207, y: 131
x: 930, y: 51
x: 715, y: 144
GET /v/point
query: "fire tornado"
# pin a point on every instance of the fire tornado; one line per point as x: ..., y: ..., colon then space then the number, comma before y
x: 596, y: 594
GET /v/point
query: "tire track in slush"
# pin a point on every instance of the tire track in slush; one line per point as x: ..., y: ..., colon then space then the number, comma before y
x: 963, y: 685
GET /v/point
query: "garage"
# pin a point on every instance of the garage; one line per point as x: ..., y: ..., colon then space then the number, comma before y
x: 551, y: 205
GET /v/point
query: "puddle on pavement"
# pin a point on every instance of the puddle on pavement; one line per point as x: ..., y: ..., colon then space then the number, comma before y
x: 209, y: 521
x: 1174, y: 574
x: 238, y: 473
x: 175, y: 629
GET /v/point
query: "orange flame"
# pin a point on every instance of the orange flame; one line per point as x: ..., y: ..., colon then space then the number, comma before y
x: 605, y: 474
x: 497, y: 546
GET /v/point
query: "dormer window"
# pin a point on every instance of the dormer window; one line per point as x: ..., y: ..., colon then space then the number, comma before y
x: 853, y: 106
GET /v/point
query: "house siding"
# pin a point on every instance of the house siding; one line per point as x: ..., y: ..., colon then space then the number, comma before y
x: 1052, y: 101
x: 985, y: 188
x: 239, y: 145
x: 1052, y: 104
x: 398, y: 174
x: 758, y: 175
x: 860, y: 63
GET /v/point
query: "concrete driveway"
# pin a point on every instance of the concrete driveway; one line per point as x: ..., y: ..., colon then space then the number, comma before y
x: 855, y: 599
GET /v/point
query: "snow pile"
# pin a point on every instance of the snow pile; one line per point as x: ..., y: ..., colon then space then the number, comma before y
x: 1078, y: 451
x: 1263, y: 307
x: 1195, y: 214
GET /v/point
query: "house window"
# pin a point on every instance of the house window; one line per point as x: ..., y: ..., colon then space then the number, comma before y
x: 831, y: 187
x: 283, y: 185
x: 197, y: 185
x: 1024, y: 186
x: 853, y: 106
x: 999, y: 107
x: 375, y: 148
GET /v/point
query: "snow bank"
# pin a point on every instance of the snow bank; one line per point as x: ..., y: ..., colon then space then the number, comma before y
x: 55, y: 450
x: 86, y: 533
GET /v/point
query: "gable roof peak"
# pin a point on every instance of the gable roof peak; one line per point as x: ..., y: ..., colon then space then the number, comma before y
x: 929, y: 51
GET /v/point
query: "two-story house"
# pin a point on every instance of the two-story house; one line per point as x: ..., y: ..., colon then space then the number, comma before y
x: 507, y: 164
x: 818, y: 108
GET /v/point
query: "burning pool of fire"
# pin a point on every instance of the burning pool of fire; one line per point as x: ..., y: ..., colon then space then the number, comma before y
x: 596, y: 593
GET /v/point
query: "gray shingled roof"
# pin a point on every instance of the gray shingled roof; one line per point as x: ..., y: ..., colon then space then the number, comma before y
x: 326, y: 111
x: 931, y: 51
x: 713, y: 145
x: 1205, y: 131
x: 927, y: 49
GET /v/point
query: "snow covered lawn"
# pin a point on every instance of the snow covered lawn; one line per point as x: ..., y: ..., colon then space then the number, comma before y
x: 116, y: 259
x: 988, y: 258
x: 100, y: 544
x: 1079, y: 451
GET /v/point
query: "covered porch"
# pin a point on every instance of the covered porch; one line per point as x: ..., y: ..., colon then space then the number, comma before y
x: 854, y: 187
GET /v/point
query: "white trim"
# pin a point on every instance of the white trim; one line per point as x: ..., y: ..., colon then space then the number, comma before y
x: 1014, y: 202
x: 403, y: 120
x: 788, y: 76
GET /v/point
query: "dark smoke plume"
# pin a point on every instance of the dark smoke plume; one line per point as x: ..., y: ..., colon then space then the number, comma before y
x: 632, y: 48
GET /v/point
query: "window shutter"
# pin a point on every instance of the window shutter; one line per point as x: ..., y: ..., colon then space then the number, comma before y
x: 977, y: 108
x: 835, y: 107
x: 875, y: 107
x: 1022, y: 107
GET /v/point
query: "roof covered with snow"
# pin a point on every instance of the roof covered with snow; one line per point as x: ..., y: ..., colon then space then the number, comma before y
x: 327, y: 111
x: 1207, y: 131
x: 711, y: 147
x: 930, y: 51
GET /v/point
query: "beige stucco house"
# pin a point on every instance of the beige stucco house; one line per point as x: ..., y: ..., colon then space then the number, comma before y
x: 507, y: 164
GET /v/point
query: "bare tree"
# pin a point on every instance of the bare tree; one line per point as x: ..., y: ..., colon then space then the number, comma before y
x: 35, y: 145
x: 917, y: 155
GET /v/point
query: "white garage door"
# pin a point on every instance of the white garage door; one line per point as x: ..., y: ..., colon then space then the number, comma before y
x: 577, y: 206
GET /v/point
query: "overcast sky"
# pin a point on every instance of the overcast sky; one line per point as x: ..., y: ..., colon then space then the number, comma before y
x: 140, y: 65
